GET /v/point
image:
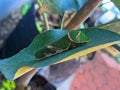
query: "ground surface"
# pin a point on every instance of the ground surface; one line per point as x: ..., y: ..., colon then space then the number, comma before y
x: 99, y: 74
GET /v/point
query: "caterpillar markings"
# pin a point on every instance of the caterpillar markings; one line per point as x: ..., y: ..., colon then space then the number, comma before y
x: 74, y: 40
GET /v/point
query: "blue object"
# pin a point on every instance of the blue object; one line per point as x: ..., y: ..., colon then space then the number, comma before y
x: 7, y: 6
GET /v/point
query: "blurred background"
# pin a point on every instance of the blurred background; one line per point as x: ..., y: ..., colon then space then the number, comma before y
x: 21, y: 21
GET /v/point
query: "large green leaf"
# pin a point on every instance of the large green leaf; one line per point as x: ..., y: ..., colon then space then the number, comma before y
x: 117, y: 3
x: 59, y: 6
x: 99, y: 39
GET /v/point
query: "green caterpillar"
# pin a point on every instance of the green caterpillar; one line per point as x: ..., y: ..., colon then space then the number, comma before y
x: 71, y: 40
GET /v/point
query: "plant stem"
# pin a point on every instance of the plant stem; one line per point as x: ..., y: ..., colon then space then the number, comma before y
x: 25, y: 79
x: 83, y: 14
x: 68, y: 19
x: 62, y: 21
x: 46, y: 23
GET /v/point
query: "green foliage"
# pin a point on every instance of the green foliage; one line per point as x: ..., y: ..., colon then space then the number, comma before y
x: 113, y: 26
x: 8, y: 85
x: 53, y: 46
x: 59, y: 6
x: 25, y: 8
x: 117, y: 3
x: 39, y: 28
x: 26, y: 57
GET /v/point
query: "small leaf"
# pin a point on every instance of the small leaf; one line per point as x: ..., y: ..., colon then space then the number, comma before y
x: 8, y: 85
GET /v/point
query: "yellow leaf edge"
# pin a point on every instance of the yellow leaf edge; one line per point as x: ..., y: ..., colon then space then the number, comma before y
x: 25, y: 69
